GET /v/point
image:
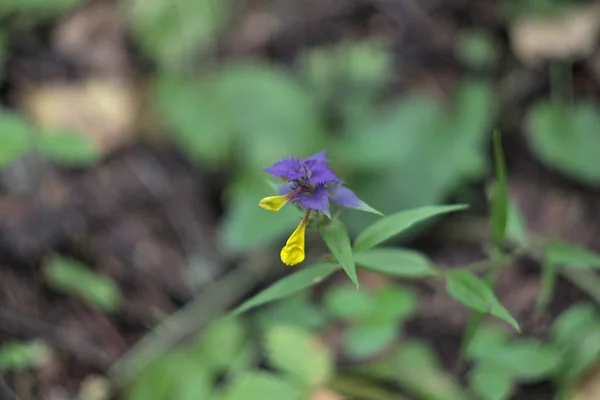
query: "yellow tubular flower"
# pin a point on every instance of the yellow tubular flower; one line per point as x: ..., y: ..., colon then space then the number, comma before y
x: 293, y: 251
x: 274, y: 203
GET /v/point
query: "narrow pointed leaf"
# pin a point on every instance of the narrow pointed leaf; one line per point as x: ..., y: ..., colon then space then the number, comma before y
x: 468, y: 289
x: 336, y: 237
x: 394, y: 224
x: 288, y: 286
x: 396, y: 262
x: 499, y: 196
x: 571, y: 256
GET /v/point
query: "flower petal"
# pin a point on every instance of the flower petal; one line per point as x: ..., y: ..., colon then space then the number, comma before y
x: 320, y: 174
x: 293, y: 251
x: 274, y: 203
x: 289, y: 169
x: 318, y: 200
x: 320, y: 157
x: 345, y: 197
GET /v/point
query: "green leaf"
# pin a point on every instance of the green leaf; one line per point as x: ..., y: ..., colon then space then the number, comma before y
x: 193, y: 110
x: 548, y: 282
x: 571, y: 256
x: 491, y: 383
x: 477, y: 48
x: 416, y: 367
x: 15, y: 137
x: 337, y: 240
x: 221, y: 343
x: 344, y: 301
x: 175, y: 32
x: 297, y: 311
x: 395, y: 224
x: 299, y: 354
x: 36, y: 9
x: 499, y: 196
x: 516, y: 227
x: 68, y: 148
x: 565, y: 138
x: 257, y: 385
x: 73, y: 278
x: 528, y: 360
x: 289, y: 285
x: 393, y: 303
x: 397, y: 262
x: 21, y: 356
x: 487, y: 338
x: 577, y: 332
x: 246, y: 226
x: 466, y: 288
x: 367, y: 339
x: 192, y: 383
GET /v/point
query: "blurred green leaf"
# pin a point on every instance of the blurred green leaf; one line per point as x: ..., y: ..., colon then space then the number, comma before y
x: 193, y: 110
x: 36, y: 9
x: 246, y: 226
x: 397, y: 262
x: 466, y: 288
x: 414, y: 153
x: 394, y: 224
x: 566, y: 138
x: 20, y: 356
x: 393, y: 303
x: 527, y: 359
x: 289, y: 285
x: 3, y: 53
x: 300, y: 354
x: 516, y: 227
x: 297, y: 311
x: 366, y: 339
x: 272, y: 114
x: 74, y: 278
x: 221, y: 343
x: 577, y: 332
x: 477, y: 48
x: 491, y: 383
x: 68, y: 148
x: 178, y: 375
x: 499, y: 199
x: 548, y: 282
x: 571, y: 256
x: 416, y: 368
x: 336, y: 237
x: 488, y: 338
x: 260, y: 386
x: 175, y: 32
x: 345, y: 301
x: 15, y: 137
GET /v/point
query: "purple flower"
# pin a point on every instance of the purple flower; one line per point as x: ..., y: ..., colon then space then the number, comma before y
x: 311, y: 184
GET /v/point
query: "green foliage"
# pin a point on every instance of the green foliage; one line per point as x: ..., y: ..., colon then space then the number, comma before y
x: 395, y: 224
x: 296, y: 311
x: 289, y: 285
x: 576, y: 332
x: 402, y: 263
x: 20, y: 356
x: 491, y: 383
x: 565, y: 138
x: 346, y: 302
x: 571, y: 256
x: 477, y: 48
x: 261, y: 385
x: 15, y: 137
x: 221, y: 343
x: 499, y: 200
x: 68, y: 149
x: 73, y: 278
x: 336, y: 237
x: 298, y: 354
x: 36, y: 10
x: 172, y: 32
x: 178, y: 375
x: 466, y: 288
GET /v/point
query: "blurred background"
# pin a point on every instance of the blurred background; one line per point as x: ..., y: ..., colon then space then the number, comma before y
x: 133, y: 135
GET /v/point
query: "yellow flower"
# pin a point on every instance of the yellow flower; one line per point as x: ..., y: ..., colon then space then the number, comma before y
x: 274, y: 203
x: 293, y: 251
